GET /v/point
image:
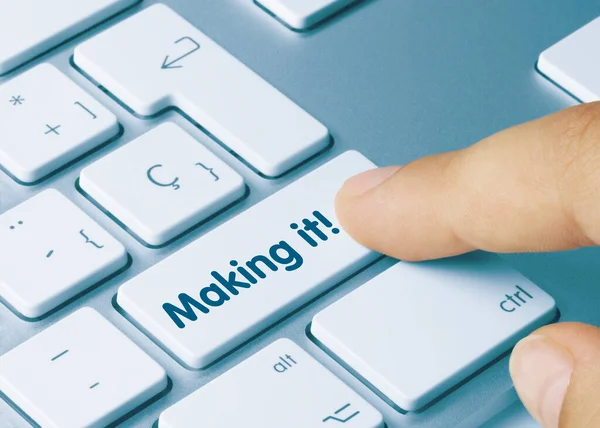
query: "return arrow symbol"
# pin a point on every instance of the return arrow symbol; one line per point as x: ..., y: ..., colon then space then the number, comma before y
x: 171, y: 64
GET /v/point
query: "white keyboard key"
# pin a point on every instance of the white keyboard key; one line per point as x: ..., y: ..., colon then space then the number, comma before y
x: 235, y: 281
x: 31, y: 27
x: 418, y: 329
x: 303, y: 14
x: 80, y: 372
x: 280, y: 386
x: 50, y: 251
x: 574, y: 63
x: 162, y: 184
x: 182, y: 67
x: 48, y: 121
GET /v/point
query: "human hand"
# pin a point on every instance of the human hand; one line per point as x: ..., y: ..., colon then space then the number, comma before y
x: 534, y: 187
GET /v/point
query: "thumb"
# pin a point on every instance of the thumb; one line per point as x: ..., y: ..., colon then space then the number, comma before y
x: 556, y: 372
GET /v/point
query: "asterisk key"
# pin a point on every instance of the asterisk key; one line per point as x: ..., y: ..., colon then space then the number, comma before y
x: 16, y: 100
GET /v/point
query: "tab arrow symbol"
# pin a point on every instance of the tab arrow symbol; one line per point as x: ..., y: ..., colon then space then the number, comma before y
x: 167, y: 65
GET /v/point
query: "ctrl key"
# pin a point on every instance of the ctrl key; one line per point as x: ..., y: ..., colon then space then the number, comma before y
x: 280, y: 386
x: 418, y: 329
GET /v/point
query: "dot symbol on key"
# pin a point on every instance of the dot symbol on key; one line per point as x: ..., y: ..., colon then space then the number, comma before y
x: 49, y: 254
x: 19, y: 223
x: 16, y: 100
x: 336, y: 417
x: 52, y: 129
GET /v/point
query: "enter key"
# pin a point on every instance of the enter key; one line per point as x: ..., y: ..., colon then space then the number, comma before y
x: 418, y: 329
x: 157, y: 60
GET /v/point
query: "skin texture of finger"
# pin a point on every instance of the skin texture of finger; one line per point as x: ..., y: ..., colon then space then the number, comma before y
x: 534, y: 187
x: 556, y: 372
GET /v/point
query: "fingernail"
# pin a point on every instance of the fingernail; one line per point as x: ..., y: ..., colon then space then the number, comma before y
x: 541, y: 370
x: 365, y: 181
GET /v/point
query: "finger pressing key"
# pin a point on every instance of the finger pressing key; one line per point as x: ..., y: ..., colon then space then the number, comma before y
x: 535, y: 187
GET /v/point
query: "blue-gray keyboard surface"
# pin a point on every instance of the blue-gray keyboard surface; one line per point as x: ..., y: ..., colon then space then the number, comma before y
x: 393, y: 79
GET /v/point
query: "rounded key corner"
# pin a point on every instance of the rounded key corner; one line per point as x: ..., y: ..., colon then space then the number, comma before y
x: 554, y: 311
x: 159, y: 6
x: 541, y: 63
x: 119, y: 299
x: 163, y: 381
x: 26, y: 312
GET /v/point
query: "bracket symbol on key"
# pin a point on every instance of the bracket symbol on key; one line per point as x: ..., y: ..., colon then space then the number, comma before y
x: 77, y: 103
x: 166, y: 65
x: 89, y: 241
x: 211, y: 170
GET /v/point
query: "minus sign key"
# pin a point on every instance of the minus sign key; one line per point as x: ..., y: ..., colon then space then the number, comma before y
x: 56, y: 357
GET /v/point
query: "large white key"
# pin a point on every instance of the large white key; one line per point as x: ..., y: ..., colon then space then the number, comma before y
x: 80, y: 372
x: 47, y: 121
x: 162, y: 184
x: 180, y: 66
x: 31, y: 27
x: 235, y: 281
x: 303, y: 14
x: 50, y: 250
x: 417, y: 329
x: 280, y: 386
x: 574, y: 62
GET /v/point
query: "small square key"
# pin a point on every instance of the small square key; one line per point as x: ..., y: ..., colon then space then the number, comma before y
x: 47, y: 122
x: 80, y: 372
x: 162, y: 184
x: 50, y: 250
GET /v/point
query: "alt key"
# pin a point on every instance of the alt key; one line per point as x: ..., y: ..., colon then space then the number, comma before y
x: 280, y: 386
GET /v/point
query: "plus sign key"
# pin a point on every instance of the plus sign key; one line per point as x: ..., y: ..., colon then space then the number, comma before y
x: 47, y: 122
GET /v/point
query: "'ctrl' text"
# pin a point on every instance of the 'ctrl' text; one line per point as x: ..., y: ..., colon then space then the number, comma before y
x: 516, y: 300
